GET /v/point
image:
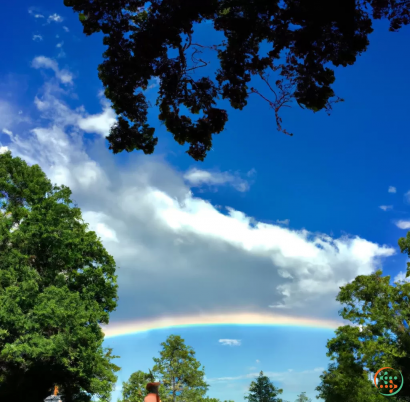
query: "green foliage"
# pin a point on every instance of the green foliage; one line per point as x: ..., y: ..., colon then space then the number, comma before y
x: 262, y: 390
x: 155, y: 39
x: 382, y: 310
x: 303, y: 398
x: 57, y: 284
x: 134, y: 389
x: 179, y: 371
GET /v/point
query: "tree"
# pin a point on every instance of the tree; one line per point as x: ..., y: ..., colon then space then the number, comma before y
x: 262, y: 390
x: 134, y: 390
x: 379, y: 337
x: 57, y: 285
x: 295, y: 41
x: 303, y: 398
x: 180, y: 373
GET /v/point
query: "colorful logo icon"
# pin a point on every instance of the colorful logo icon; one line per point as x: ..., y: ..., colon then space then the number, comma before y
x: 388, y: 381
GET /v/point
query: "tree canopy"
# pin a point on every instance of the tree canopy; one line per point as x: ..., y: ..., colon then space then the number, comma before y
x: 181, y: 375
x: 379, y: 337
x: 57, y: 285
x: 262, y: 390
x: 297, y: 42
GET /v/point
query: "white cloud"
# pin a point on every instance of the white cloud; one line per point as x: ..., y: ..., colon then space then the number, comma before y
x: 55, y: 18
x: 403, y: 224
x: 66, y: 29
x: 284, y: 222
x: 230, y: 342
x: 99, y: 123
x: 197, y: 178
x: 386, y: 207
x: 149, y: 220
x: 59, y: 44
x: 8, y: 132
x: 258, y: 361
x: 407, y: 196
x: 3, y: 149
x: 44, y: 62
x: 392, y: 189
x: 37, y: 38
x: 401, y: 277
x: 35, y: 15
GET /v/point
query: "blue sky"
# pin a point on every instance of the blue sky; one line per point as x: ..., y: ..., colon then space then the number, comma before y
x: 164, y: 218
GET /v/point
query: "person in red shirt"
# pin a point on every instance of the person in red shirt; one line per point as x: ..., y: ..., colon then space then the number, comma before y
x: 152, y: 389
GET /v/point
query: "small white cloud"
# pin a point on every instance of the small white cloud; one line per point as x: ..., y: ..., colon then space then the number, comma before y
x: 284, y: 222
x: 258, y: 361
x: 197, y: 178
x: 99, y: 123
x: 44, y: 62
x: 401, y: 277
x: 8, y: 132
x: 392, y: 189
x: 403, y: 224
x: 251, y: 173
x: 55, y: 18
x: 386, y: 207
x: 35, y: 15
x: 37, y: 38
x: 3, y: 150
x: 60, y: 44
x: 230, y: 342
x: 66, y: 29
x: 407, y: 196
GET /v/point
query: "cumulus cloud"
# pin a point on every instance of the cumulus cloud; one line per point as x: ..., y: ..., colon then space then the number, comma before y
x: 99, y: 123
x: 55, y: 18
x: 44, y: 62
x: 149, y: 220
x: 392, y: 189
x: 37, y: 38
x: 386, y: 207
x: 402, y: 224
x: 3, y: 149
x: 198, y: 178
x: 230, y: 342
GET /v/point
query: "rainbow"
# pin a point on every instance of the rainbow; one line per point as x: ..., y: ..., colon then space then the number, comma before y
x: 240, y: 319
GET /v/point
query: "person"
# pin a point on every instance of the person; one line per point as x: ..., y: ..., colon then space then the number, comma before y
x: 152, y: 389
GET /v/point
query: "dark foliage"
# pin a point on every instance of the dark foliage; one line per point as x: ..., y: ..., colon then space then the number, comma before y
x: 305, y: 37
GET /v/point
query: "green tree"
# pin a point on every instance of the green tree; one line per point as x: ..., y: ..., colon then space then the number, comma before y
x: 303, y: 398
x: 180, y: 374
x: 380, y: 336
x: 134, y: 390
x: 297, y: 42
x: 57, y: 285
x: 262, y: 390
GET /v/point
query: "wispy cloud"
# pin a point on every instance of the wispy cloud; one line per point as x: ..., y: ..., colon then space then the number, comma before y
x: 44, y: 62
x: 37, y: 38
x: 403, y: 224
x: 34, y: 14
x: 197, y: 178
x: 60, y: 44
x: 66, y: 29
x: 284, y: 222
x: 386, y: 207
x: 258, y: 361
x: 392, y: 189
x: 230, y: 342
x: 55, y: 18
x: 401, y: 277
